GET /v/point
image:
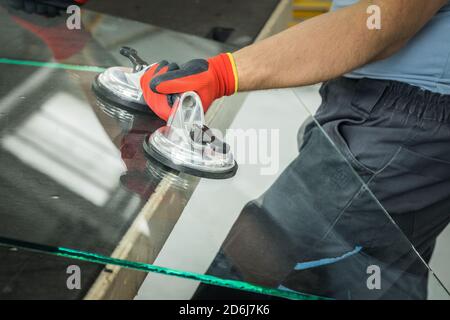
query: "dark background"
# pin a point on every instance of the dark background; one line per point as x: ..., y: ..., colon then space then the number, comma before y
x: 236, y: 22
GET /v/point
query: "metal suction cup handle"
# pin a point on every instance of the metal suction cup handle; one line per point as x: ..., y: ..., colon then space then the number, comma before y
x: 204, y: 136
x: 187, y: 112
x: 130, y: 53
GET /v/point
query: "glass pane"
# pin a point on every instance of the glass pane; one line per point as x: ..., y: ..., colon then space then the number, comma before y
x: 318, y: 229
x: 297, y: 221
x: 30, y: 275
x: 397, y: 147
x: 27, y: 274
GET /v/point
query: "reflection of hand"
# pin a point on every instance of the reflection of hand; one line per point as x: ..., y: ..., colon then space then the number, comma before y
x: 48, y: 8
x: 210, y: 79
x: 136, y: 179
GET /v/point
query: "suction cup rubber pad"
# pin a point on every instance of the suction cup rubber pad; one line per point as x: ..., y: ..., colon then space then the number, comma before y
x: 154, y: 154
x: 106, y: 94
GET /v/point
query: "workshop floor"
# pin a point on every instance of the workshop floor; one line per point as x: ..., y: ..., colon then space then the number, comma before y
x: 440, y: 261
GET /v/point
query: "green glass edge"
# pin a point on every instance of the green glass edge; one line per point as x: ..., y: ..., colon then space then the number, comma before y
x: 55, y: 65
x: 140, y: 266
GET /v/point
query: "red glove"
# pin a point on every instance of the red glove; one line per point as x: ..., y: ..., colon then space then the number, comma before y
x: 210, y: 79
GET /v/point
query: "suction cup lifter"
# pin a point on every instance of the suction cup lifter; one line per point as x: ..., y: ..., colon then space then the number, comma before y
x: 120, y: 86
x: 130, y: 53
x: 187, y: 115
x: 186, y: 144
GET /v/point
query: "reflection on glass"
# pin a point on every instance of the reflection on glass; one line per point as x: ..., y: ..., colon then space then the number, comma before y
x: 70, y: 146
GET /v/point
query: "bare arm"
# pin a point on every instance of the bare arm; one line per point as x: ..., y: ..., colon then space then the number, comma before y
x: 332, y: 44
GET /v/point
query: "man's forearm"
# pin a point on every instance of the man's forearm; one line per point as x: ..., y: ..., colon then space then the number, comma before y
x: 330, y: 45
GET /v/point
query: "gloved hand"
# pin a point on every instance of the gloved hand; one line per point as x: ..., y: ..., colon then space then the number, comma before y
x: 210, y: 79
x: 49, y: 8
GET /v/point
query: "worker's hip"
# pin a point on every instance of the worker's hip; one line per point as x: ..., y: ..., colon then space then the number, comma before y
x: 389, y: 161
x: 391, y: 146
x: 321, y: 224
x: 397, y: 138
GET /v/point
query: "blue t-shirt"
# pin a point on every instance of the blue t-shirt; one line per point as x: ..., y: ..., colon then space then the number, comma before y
x: 423, y: 62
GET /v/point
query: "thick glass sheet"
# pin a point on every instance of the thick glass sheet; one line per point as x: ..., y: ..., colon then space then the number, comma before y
x: 31, y: 275
x: 76, y: 183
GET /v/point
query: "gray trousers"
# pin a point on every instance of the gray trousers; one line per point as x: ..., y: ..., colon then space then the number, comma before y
x: 332, y: 215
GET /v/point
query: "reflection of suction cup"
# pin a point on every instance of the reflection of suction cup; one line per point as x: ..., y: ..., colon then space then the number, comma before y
x: 158, y: 171
x: 139, y: 183
x: 122, y: 115
x: 121, y: 86
x: 187, y: 145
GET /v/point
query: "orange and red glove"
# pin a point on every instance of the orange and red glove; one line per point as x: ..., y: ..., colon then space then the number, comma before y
x: 210, y: 79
